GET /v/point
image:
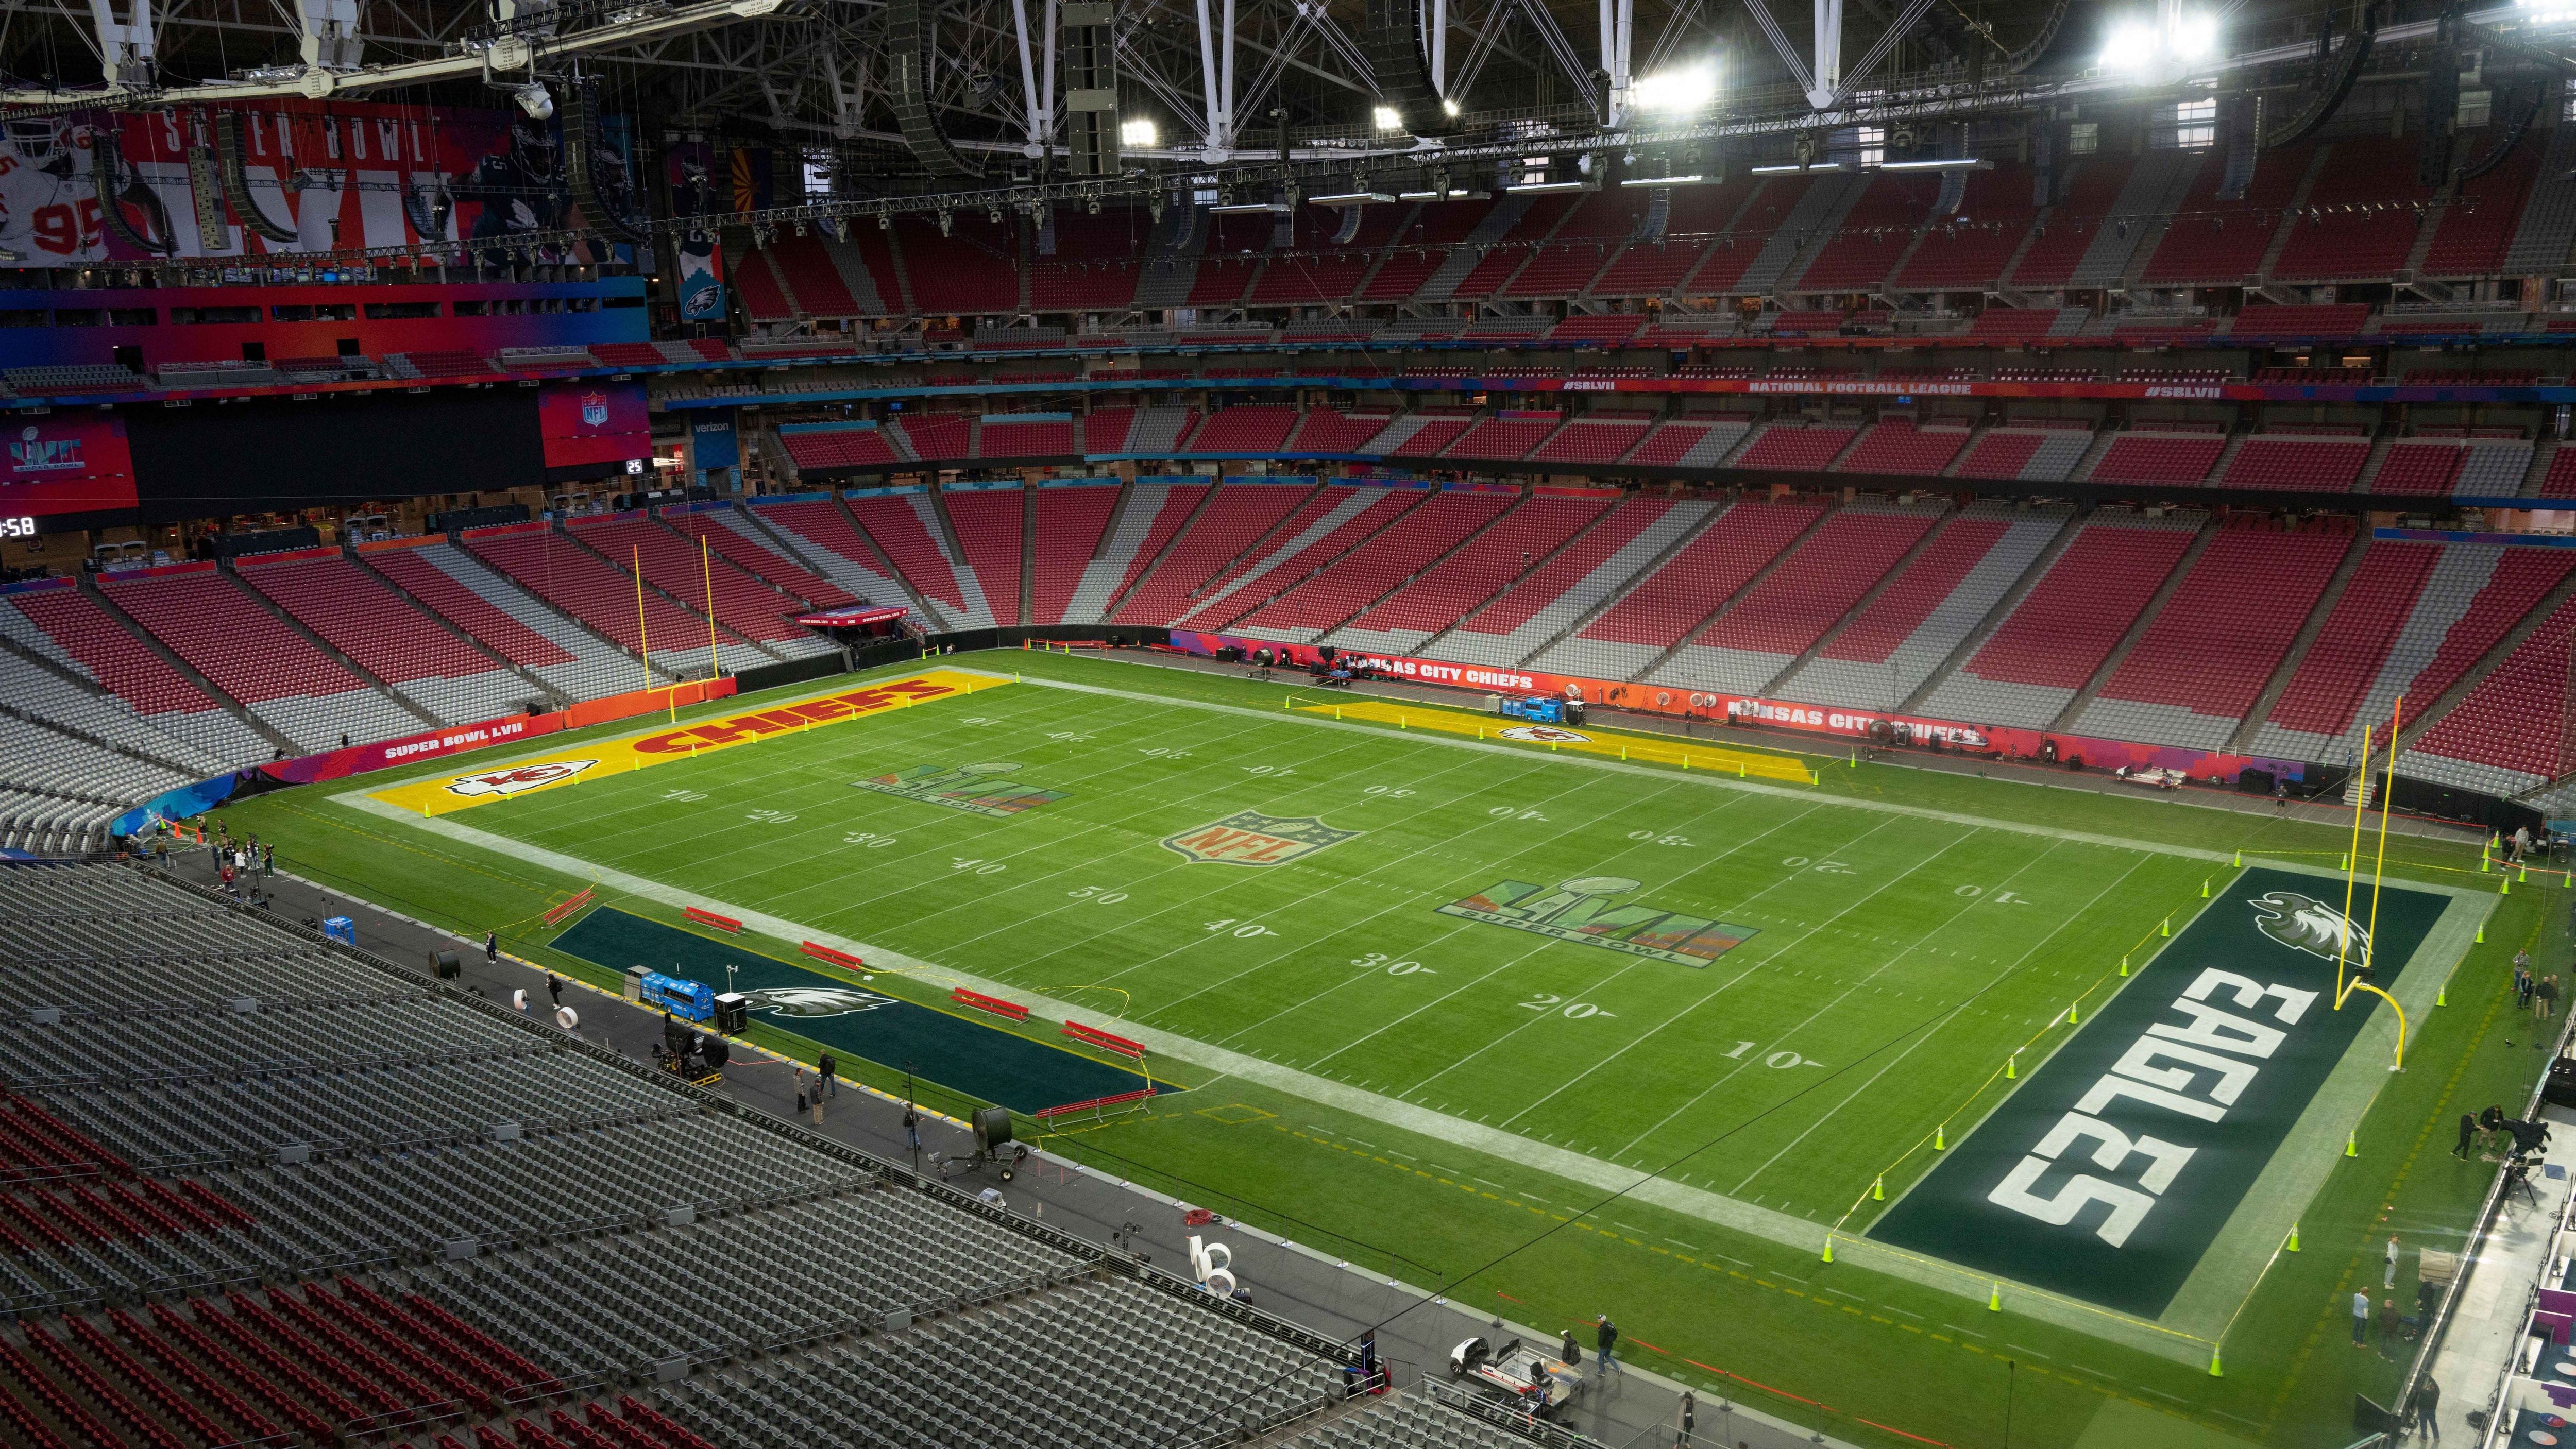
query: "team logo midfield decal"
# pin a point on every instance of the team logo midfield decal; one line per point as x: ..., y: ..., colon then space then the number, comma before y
x: 1545, y: 735
x: 1252, y: 838
x: 2304, y: 923
x: 814, y: 1000
x: 1580, y: 910
x: 518, y: 778
x: 984, y: 789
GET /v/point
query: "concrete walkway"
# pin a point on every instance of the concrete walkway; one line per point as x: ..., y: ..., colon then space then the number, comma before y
x: 1315, y: 1289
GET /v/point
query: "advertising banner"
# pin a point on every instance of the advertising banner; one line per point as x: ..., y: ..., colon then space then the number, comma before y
x: 65, y: 463
x: 1883, y: 727
x: 329, y: 175
x: 593, y: 422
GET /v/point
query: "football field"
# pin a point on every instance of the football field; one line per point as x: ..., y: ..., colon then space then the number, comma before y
x: 1773, y: 996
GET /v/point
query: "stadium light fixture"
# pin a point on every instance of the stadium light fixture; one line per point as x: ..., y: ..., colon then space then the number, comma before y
x: 1449, y: 109
x: 1792, y: 168
x: 2161, y: 48
x: 1388, y: 119
x: 1693, y: 179
x: 1350, y: 198
x: 1546, y: 188
x: 1139, y: 133
x: 1692, y: 88
x: 1250, y: 208
x: 1963, y: 163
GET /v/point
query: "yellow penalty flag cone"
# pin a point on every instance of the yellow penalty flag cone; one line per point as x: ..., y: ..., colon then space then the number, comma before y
x: 2352, y: 1144
x: 1995, y: 1299
x: 2294, y: 1239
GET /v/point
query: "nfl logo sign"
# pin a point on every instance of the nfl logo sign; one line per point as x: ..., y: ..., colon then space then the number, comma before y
x: 1252, y: 838
x: 594, y: 409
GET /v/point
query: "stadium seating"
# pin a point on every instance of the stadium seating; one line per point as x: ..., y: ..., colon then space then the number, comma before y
x: 2207, y: 653
x: 2363, y: 218
x: 1507, y: 551
x: 1892, y: 644
x: 1503, y: 437
x: 2143, y: 455
x: 1250, y: 431
x: 1223, y: 529
x: 601, y: 598
x: 905, y: 530
x: 1795, y: 447
x: 834, y: 447
x: 1595, y: 438
x: 1897, y: 446
x: 1153, y: 512
x: 823, y: 536
x: 1330, y: 432
x: 748, y: 610
x: 2042, y: 654
x: 2487, y: 741
x: 2221, y: 243
x: 67, y: 626
x: 2354, y: 643
x: 934, y: 437
x: 1395, y: 555
x: 989, y: 526
x: 1540, y: 606
x: 436, y: 669
x: 247, y: 652
x: 1064, y: 534
x: 494, y: 613
x: 1782, y: 616
x: 735, y: 540
x: 2294, y: 462
x: 1660, y: 610
x: 1008, y: 436
x: 1325, y: 527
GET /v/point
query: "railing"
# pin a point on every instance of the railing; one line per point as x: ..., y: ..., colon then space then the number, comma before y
x: 2446, y: 1312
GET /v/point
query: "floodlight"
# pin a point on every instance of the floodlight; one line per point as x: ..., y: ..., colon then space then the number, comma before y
x: 2147, y: 47
x: 1138, y: 132
x: 1388, y: 120
x: 1690, y: 89
x: 1449, y: 108
x: 534, y: 100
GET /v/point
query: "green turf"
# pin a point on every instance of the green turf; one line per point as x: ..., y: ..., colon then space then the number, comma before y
x: 1884, y: 947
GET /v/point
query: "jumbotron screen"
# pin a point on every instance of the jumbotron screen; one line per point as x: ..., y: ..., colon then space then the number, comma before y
x: 61, y: 470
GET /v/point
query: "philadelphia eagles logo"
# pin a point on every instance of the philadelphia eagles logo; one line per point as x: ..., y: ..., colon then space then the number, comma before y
x: 814, y: 1000
x: 2306, y: 924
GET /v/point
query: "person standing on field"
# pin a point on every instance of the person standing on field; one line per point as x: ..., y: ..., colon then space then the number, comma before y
x: 2360, y: 1320
x: 827, y: 1077
x: 1605, y: 1337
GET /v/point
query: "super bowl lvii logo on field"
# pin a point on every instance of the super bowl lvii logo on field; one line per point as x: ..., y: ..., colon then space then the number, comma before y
x: 984, y: 789
x: 1249, y: 837
x: 1580, y: 910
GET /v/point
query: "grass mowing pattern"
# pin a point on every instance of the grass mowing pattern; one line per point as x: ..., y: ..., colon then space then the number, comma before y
x: 1339, y: 962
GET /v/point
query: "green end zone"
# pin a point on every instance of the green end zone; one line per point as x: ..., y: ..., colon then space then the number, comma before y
x: 964, y: 1055
x: 2113, y: 1169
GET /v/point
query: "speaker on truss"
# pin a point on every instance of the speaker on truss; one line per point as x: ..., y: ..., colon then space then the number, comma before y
x: 119, y: 187
x: 1090, y: 46
x: 1399, y: 55
x: 232, y: 158
x: 912, y: 38
x: 610, y: 199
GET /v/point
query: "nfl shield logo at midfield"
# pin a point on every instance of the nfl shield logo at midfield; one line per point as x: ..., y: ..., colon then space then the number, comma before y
x: 1252, y: 838
x: 518, y: 778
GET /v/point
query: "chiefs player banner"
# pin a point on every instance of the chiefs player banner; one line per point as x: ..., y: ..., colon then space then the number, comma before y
x: 334, y: 175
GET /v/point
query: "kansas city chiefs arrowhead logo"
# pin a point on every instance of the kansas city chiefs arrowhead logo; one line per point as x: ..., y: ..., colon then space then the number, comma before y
x: 518, y: 778
x: 2306, y: 924
x: 1545, y: 735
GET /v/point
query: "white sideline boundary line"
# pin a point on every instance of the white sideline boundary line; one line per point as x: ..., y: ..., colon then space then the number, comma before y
x: 1770, y: 1224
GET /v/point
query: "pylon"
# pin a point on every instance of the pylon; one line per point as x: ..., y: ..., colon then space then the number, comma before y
x: 2213, y: 1363
x: 2482, y: 933
x: 1995, y: 1299
x: 1939, y: 1142
x: 1878, y: 1189
x: 2294, y: 1239
x: 2072, y: 1018
x: 2204, y: 888
x: 2240, y: 857
x: 2526, y: 875
x: 2442, y: 996
x: 2165, y: 926
x: 2486, y: 862
x: 2504, y: 885
x: 2009, y: 1073
x: 1829, y: 1247
x: 2352, y: 1144
x: 2124, y: 965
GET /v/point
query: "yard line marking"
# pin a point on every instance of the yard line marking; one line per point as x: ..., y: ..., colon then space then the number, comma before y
x: 1678, y: 1243
x: 1919, y: 1040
